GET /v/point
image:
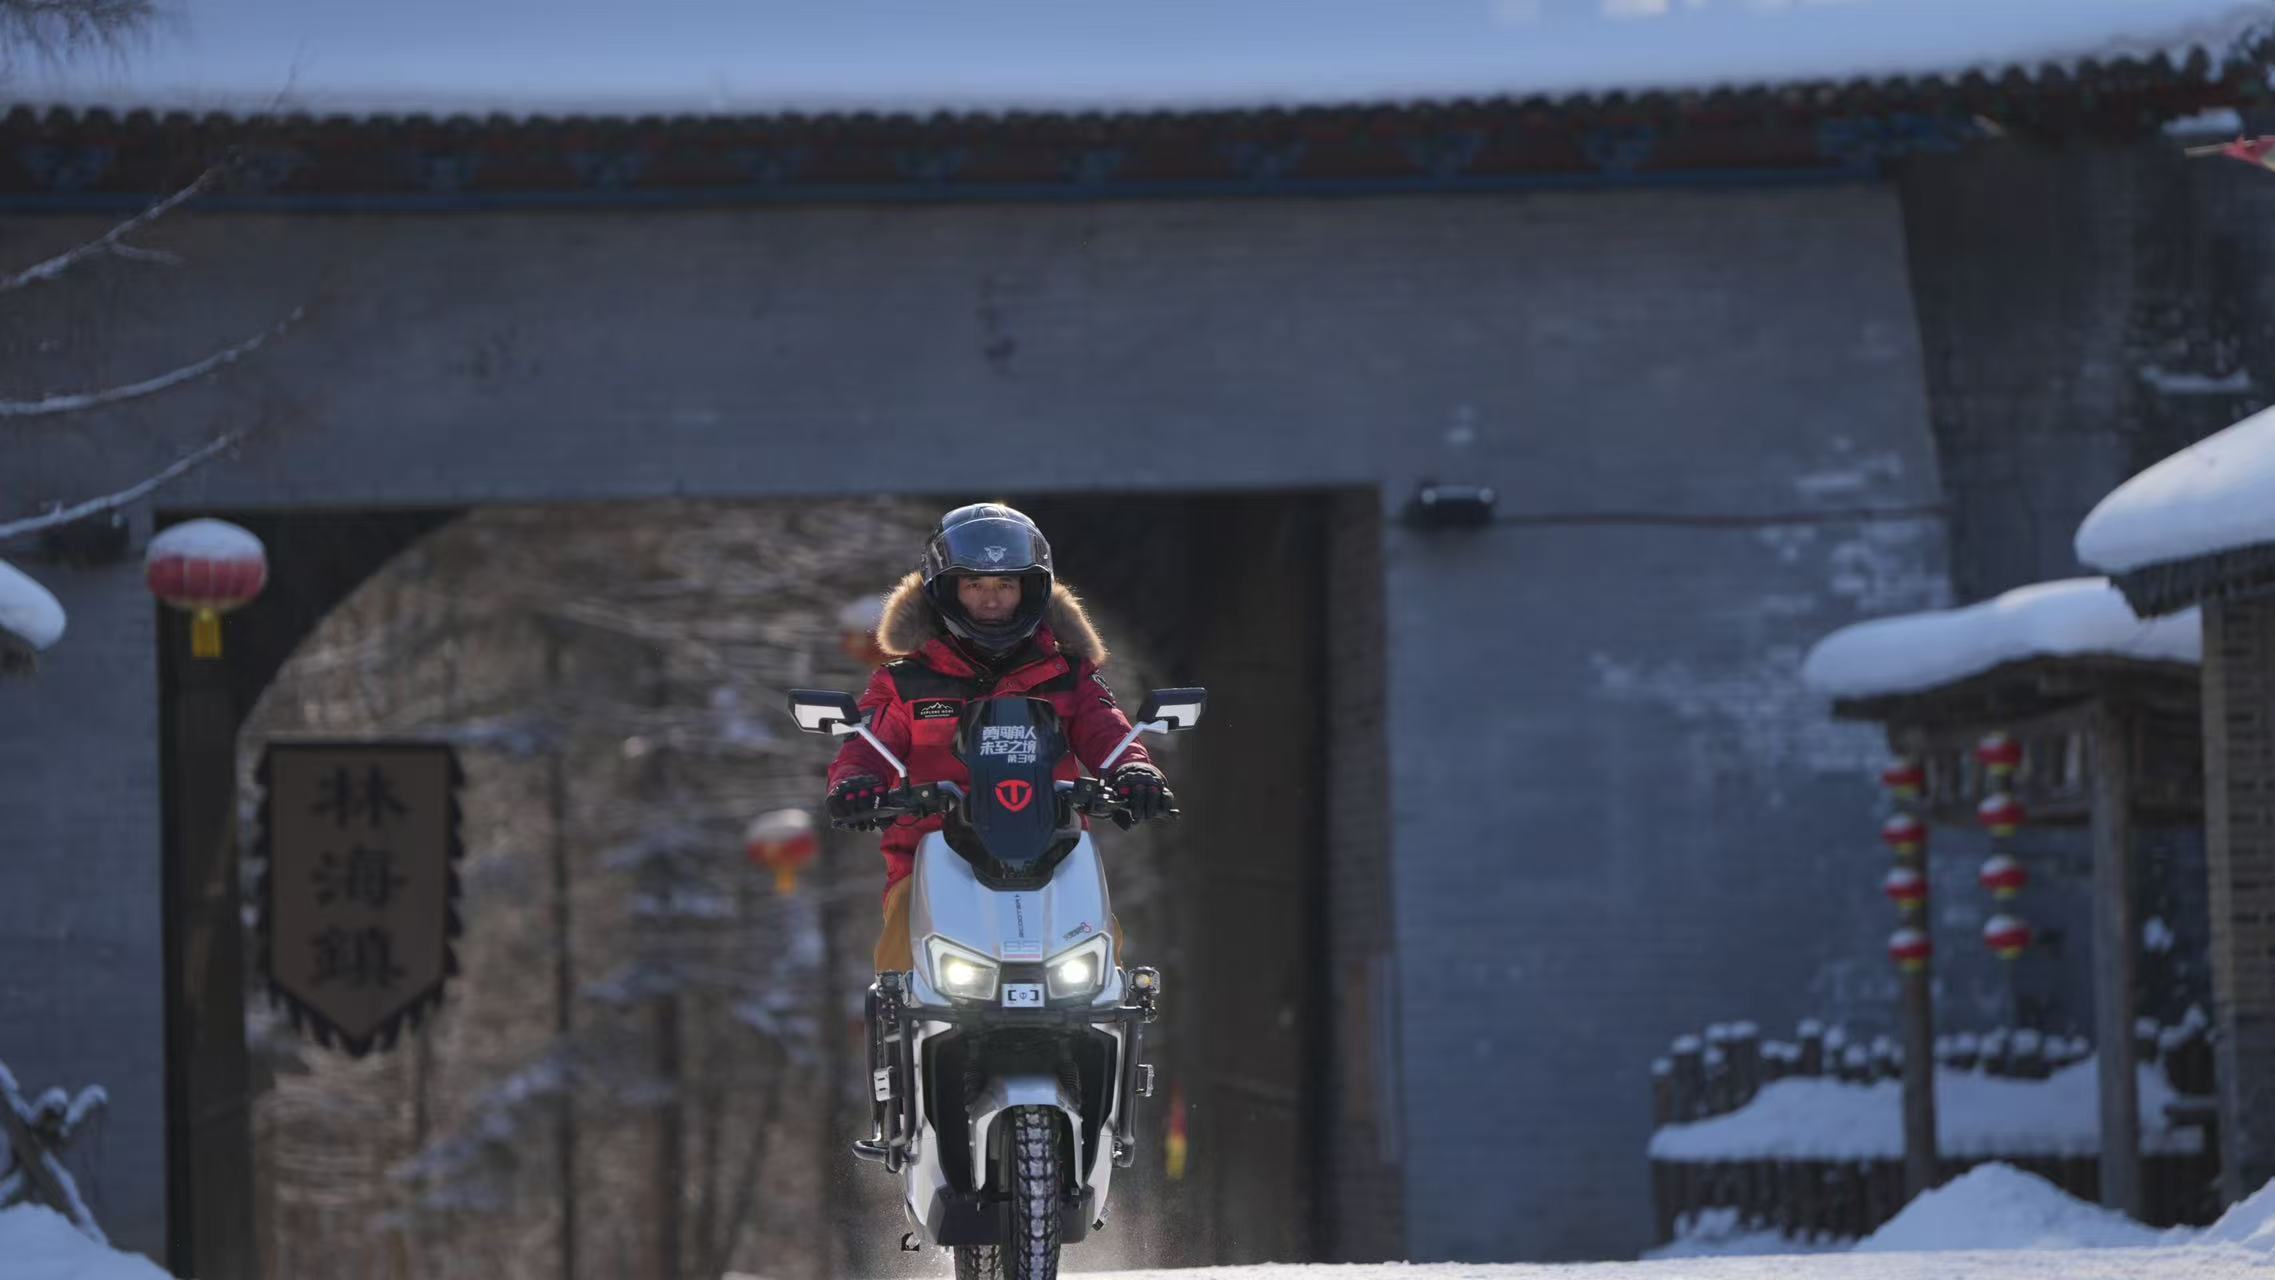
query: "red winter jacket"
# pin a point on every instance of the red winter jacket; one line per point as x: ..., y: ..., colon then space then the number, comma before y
x: 918, y: 697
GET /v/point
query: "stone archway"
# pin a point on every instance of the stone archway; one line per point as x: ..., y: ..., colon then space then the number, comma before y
x: 1242, y: 895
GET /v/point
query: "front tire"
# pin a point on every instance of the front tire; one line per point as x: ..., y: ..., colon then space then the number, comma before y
x: 978, y: 1262
x: 1030, y: 1248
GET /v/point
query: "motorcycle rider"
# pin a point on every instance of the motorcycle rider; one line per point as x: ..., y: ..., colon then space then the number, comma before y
x: 983, y: 616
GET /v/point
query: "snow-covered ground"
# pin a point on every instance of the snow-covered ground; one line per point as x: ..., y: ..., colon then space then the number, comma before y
x: 1916, y: 651
x: 1996, y: 1223
x: 2211, y: 496
x: 37, y: 1243
x: 1997, y: 1206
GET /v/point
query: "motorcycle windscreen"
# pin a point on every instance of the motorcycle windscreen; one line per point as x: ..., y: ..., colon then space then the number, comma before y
x: 1011, y: 746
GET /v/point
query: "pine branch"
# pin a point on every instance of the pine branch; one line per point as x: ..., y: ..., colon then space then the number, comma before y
x: 81, y: 401
x: 93, y: 506
x: 111, y: 241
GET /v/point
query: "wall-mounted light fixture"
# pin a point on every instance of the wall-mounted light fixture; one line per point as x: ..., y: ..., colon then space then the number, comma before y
x: 1449, y: 506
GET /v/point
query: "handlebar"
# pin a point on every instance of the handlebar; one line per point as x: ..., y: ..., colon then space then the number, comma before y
x: 1086, y: 796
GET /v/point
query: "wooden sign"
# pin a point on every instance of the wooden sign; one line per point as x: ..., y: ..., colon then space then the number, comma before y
x: 359, y: 901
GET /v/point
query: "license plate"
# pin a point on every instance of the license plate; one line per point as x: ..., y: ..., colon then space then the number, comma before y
x: 1022, y: 995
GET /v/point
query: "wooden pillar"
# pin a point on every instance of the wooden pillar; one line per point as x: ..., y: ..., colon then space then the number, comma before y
x: 2116, y: 932
x: 2239, y: 830
x: 209, y: 1129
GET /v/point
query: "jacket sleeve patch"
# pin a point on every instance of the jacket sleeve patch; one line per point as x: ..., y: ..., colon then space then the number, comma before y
x: 933, y: 709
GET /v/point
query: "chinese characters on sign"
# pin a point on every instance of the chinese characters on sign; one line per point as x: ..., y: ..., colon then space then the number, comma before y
x: 358, y: 922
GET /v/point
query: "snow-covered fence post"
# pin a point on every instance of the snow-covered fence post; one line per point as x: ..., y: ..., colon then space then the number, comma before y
x: 1810, y: 1038
x: 2029, y: 1053
x: 1721, y: 1096
x: 1745, y: 1050
x: 1689, y: 1089
x: 32, y: 1136
x: 1966, y: 1051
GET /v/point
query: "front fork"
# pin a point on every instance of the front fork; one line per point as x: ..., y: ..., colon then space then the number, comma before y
x: 892, y: 1120
x: 1137, y: 1075
x: 892, y: 1066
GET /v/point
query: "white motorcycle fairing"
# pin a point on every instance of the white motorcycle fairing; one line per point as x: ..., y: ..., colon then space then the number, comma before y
x: 985, y: 1058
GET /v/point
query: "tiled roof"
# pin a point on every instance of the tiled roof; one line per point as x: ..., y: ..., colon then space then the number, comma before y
x: 88, y: 156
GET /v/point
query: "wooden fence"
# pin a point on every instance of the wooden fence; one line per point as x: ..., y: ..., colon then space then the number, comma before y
x: 1718, y: 1073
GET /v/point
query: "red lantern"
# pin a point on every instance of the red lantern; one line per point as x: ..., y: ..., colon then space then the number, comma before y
x: 1999, y: 754
x: 1904, y: 778
x: 2003, y: 876
x: 1910, y: 949
x: 857, y: 631
x: 206, y: 567
x: 2009, y: 936
x: 2002, y: 813
x: 1905, y: 887
x: 1904, y: 833
x: 782, y: 841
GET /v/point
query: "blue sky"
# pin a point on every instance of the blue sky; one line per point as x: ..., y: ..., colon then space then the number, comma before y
x: 746, y: 55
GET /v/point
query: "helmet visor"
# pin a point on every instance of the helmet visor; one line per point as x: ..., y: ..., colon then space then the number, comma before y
x: 987, y: 546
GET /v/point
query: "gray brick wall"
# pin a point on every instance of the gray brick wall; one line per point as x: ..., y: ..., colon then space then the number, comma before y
x: 1610, y: 812
x: 81, y: 1000
x: 2084, y: 312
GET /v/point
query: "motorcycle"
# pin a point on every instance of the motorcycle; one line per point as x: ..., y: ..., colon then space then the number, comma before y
x: 1005, y: 1068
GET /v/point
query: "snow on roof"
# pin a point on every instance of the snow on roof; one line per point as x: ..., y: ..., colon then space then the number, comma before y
x: 1976, y: 1117
x: 2215, y: 495
x: 723, y: 57
x: 1997, y: 1206
x: 1917, y: 651
x: 27, y: 609
x: 37, y: 1241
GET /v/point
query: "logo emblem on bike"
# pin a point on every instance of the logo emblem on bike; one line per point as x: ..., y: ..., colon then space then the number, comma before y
x: 1014, y: 793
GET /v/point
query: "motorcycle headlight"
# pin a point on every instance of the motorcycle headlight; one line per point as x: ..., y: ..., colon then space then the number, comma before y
x: 1077, y: 971
x: 960, y: 974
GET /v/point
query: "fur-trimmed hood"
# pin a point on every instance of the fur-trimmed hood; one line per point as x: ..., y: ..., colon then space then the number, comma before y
x: 910, y: 622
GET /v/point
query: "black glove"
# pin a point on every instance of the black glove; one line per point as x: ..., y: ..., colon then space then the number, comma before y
x: 1142, y: 791
x: 853, y: 802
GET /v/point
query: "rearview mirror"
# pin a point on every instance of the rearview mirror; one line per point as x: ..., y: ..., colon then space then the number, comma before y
x: 824, y: 711
x: 1177, y: 708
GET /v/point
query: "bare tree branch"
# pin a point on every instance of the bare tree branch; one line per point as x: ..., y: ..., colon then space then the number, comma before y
x: 80, y: 401
x: 92, y: 506
x: 110, y: 241
x: 51, y: 28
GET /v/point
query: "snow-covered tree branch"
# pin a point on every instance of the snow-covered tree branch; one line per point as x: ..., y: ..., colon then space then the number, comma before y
x: 112, y: 501
x: 113, y: 241
x: 80, y: 401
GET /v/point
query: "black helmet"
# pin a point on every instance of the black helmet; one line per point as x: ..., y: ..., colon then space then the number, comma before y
x: 988, y: 539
